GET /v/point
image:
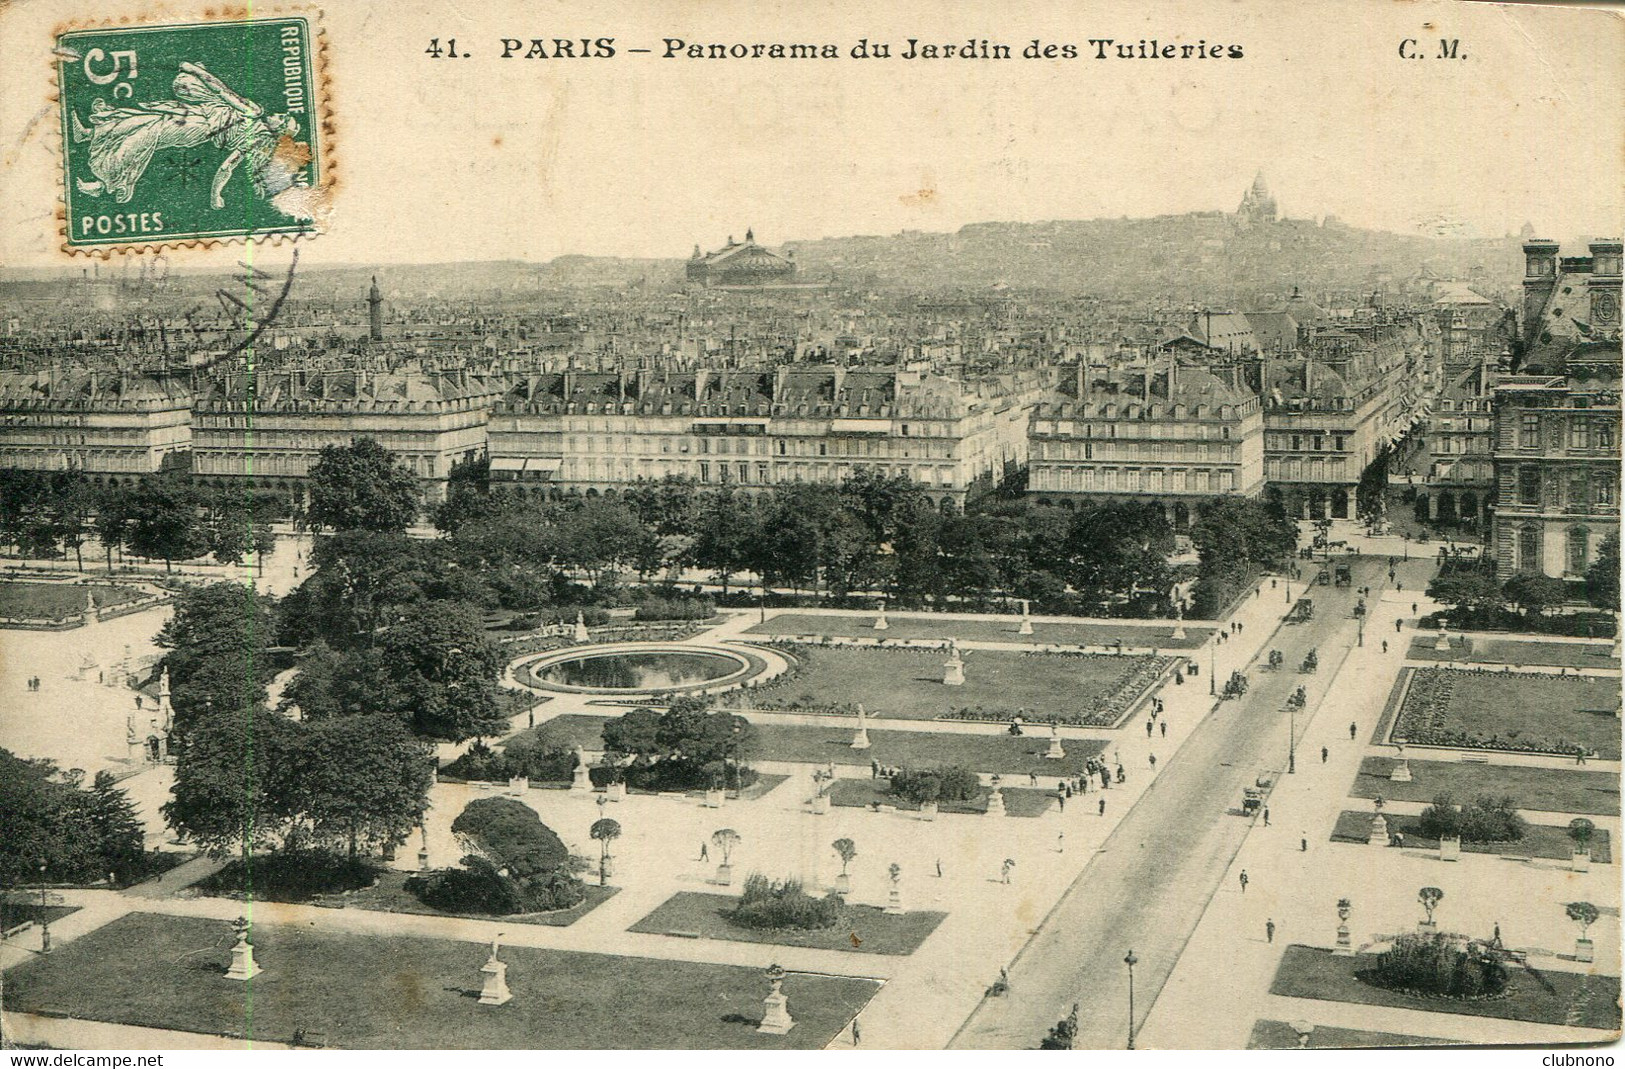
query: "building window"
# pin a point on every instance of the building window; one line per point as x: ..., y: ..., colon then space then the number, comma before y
x: 1579, y: 490
x: 1579, y: 433
x: 1579, y: 540
x: 705, y: 471
x: 1528, y: 486
x: 1529, y: 432
x: 1529, y: 550
x: 1605, y: 491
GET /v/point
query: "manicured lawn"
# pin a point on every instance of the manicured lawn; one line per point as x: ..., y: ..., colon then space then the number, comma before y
x: 1511, y: 711
x: 390, y: 895
x: 58, y: 601
x: 1091, y: 689
x: 1279, y: 1035
x: 862, y: 625
x: 1519, y: 651
x: 14, y: 914
x: 863, y: 930
x: 1556, y: 790
x: 1004, y: 754
x: 364, y: 992
x: 1554, y: 997
x: 1540, y: 840
x: 1018, y: 801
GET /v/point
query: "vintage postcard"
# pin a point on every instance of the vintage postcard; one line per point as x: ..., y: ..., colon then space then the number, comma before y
x: 735, y: 526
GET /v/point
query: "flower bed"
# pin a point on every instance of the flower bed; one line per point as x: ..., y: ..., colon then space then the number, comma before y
x: 1518, y: 712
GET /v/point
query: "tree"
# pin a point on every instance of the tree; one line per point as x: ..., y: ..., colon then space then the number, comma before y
x: 164, y: 522
x: 605, y: 831
x: 1584, y: 914
x: 686, y: 745
x: 724, y: 534
x: 113, y: 520
x: 357, y: 780
x: 437, y: 669
x: 1535, y: 594
x: 1602, y: 578
x: 119, y: 834
x: 49, y: 820
x: 231, y: 790
x: 1430, y: 897
x: 1470, y: 592
x: 1581, y: 832
x: 725, y: 839
x: 218, y: 639
x: 846, y: 850
x: 362, y: 487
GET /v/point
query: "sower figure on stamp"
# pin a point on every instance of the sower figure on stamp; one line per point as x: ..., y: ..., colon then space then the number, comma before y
x: 124, y: 140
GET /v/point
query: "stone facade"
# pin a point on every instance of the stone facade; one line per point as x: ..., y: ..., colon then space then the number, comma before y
x: 105, y: 424
x: 597, y: 433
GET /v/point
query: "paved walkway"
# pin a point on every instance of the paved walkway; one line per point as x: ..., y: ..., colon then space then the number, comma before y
x: 1297, y: 875
x: 1149, y: 886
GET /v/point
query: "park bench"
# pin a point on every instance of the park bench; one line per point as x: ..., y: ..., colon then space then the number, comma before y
x: 1474, y: 759
x: 685, y: 934
x: 1520, y: 858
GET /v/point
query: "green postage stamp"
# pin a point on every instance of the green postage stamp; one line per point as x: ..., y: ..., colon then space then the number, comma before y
x: 195, y: 133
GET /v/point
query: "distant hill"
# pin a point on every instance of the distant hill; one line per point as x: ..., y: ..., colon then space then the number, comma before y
x: 1208, y: 257
x: 1205, y: 256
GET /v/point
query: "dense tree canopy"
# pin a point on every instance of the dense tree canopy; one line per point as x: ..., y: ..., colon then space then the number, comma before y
x: 361, y: 487
x: 78, y: 834
x: 218, y: 640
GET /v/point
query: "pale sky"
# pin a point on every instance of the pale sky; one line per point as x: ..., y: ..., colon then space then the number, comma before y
x: 483, y: 158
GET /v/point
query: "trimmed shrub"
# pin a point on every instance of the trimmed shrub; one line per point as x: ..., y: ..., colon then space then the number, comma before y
x: 480, y: 888
x: 1485, y: 820
x: 513, y: 836
x: 1491, y: 820
x: 293, y: 876
x: 952, y: 784
x: 771, y: 904
x: 676, y: 608
x: 1433, y: 963
x: 1442, y: 819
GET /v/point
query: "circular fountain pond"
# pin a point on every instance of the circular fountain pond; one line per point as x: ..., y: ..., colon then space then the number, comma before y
x: 640, y: 668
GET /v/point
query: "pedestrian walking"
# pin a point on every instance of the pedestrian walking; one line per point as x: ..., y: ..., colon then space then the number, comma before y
x: 1243, y: 880
x: 1266, y: 816
x: 1303, y: 844
x: 1153, y: 759
x: 1148, y: 727
x: 1413, y: 608
x: 857, y: 1032
x: 1396, y: 626
x: 1060, y: 842
x: 1165, y: 729
x: 1354, y: 729
x: 1102, y: 807
x: 1323, y: 755
x: 1385, y: 645
x: 705, y: 855
x: 939, y: 868
x: 1269, y: 931
x: 1061, y: 798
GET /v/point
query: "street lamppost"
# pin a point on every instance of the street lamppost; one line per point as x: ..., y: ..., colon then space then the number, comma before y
x: 1292, y: 739
x: 1213, y: 666
x: 44, y: 917
x: 1131, y: 961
